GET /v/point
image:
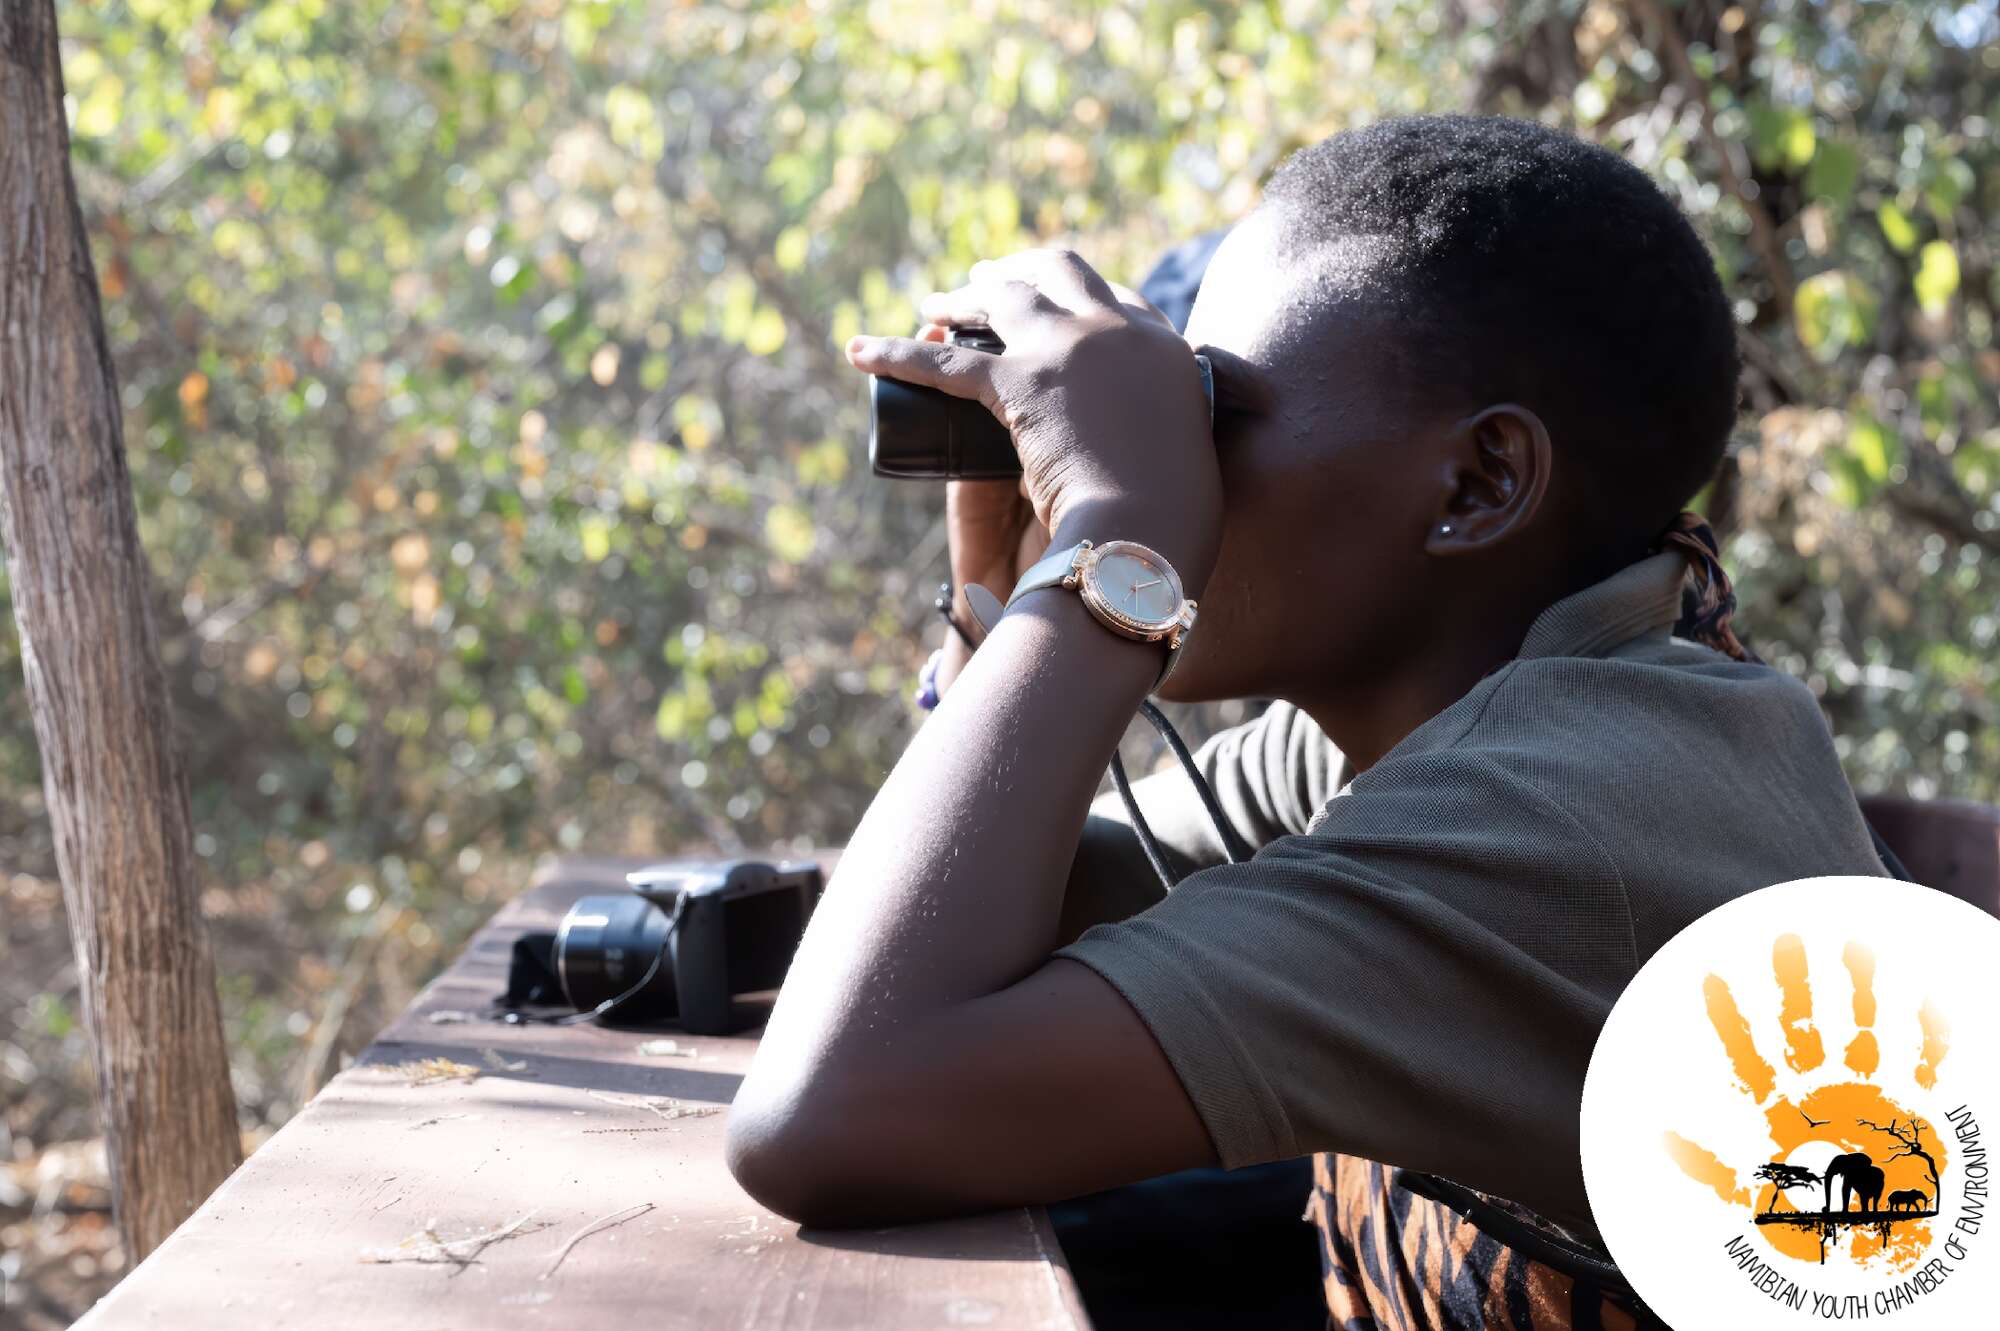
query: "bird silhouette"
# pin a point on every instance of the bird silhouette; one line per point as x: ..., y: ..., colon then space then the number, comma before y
x: 1816, y: 1122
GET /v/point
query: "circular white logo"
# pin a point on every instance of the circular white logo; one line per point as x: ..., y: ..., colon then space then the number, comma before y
x: 1788, y: 1114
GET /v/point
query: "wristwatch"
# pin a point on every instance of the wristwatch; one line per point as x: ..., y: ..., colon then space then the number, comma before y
x: 1128, y: 588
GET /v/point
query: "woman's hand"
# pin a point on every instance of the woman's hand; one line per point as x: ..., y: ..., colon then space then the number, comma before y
x: 1104, y: 403
x: 989, y: 525
x: 994, y: 538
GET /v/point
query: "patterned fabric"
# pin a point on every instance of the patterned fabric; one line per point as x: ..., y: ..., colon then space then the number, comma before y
x: 1394, y: 1261
x: 1714, y: 597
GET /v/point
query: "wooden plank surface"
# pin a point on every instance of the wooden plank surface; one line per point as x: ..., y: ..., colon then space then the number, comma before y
x: 565, y: 1126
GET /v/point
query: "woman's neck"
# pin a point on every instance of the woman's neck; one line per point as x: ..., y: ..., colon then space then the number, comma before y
x: 1367, y: 718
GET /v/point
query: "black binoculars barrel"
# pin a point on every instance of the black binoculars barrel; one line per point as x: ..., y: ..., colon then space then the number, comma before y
x: 921, y: 434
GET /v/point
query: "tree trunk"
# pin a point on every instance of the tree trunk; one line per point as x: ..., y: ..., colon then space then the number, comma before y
x: 111, y: 768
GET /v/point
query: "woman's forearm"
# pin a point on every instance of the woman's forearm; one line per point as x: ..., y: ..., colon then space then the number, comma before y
x: 952, y: 886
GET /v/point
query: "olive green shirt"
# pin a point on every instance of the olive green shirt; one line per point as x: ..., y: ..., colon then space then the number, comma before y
x: 1416, y: 963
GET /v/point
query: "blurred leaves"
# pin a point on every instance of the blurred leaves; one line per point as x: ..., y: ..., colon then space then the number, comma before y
x: 1897, y: 228
x: 1937, y: 277
x: 1835, y: 313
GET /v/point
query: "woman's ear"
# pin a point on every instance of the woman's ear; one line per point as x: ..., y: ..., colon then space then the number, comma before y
x: 1496, y: 475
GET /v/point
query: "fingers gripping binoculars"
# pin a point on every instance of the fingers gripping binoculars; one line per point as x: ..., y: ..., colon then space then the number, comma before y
x: 924, y: 434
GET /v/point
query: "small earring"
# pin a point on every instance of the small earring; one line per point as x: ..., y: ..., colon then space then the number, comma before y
x: 1444, y: 529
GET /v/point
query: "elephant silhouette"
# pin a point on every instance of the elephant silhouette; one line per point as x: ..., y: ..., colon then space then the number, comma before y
x: 1914, y: 1199
x: 1859, y: 1177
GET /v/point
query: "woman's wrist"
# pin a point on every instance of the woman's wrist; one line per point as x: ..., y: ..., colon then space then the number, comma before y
x: 953, y: 659
x: 959, y: 641
x: 1184, y: 536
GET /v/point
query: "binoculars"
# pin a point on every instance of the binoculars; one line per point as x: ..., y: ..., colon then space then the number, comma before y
x: 922, y: 434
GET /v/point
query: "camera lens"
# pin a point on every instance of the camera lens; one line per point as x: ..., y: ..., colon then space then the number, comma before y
x: 604, y: 947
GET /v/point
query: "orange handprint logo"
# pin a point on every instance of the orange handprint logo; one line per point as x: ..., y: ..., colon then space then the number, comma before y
x: 1850, y: 1167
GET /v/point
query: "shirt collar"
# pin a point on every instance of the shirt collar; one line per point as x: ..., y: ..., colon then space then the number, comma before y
x: 1639, y: 598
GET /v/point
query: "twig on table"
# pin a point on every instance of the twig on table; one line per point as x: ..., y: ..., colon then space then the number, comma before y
x: 605, y: 1222
x: 459, y: 1253
x: 665, y: 1106
x: 441, y: 1118
x: 675, y: 1110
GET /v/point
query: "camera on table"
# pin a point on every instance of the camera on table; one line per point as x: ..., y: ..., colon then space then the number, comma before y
x: 685, y: 942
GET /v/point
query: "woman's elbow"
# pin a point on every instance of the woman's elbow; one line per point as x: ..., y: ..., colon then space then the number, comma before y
x: 789, y: 1163
x: 834, y: 1159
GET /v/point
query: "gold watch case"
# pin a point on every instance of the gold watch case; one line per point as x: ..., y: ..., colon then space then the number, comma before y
x: 1132, y: 591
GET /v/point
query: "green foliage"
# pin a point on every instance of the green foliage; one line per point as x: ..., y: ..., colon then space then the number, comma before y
x: 499, y: 468
x: 1836, y: 314
x: 1937, y: 278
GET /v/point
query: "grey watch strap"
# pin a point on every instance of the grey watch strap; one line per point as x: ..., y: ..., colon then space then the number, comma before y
x: 985, y: 606
x: 1047, y: 571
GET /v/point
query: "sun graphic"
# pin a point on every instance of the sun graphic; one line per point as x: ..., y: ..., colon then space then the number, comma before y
x: 1851, y: 1169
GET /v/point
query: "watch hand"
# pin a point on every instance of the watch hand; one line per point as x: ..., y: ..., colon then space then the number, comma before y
x: 1141, y: 586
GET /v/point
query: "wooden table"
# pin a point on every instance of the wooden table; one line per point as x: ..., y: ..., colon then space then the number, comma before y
x: 1950, y: 845
x: 357, y: 1213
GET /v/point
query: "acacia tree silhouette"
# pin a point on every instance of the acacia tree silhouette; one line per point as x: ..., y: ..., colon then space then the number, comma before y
x: 1783, y: 1177
x: 1912, y: 1142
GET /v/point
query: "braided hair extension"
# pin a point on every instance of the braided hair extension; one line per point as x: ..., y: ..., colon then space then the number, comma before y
x: 1708, y: 620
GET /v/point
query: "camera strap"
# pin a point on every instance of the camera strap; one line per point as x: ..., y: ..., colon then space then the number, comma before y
x: 1232, y: 844
x: 1233, y: 848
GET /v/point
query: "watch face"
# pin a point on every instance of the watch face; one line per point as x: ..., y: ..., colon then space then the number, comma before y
x: 1134, y: 584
